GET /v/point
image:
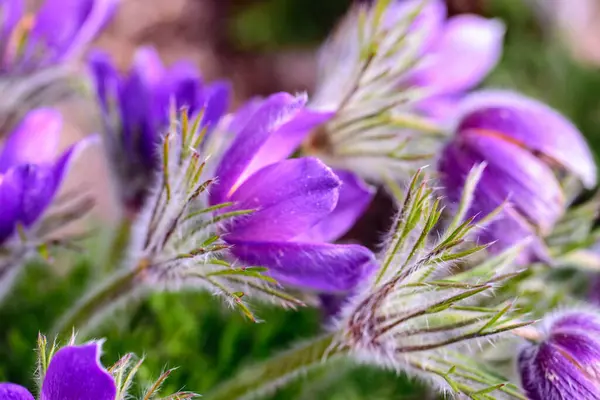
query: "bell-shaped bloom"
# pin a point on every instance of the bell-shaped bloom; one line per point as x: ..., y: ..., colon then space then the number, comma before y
x: 136, y: 112
x: 524, y: 144
x: 299, y: 203
x: 58, y: 31
x: 565, y: 363
x: 31, y: 171
x: 386, y: 105
x: 74, y: 373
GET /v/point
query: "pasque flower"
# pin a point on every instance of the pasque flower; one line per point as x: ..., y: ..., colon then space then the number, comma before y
x: 31, y: 171
x: 74, y: 372
x: 135, y: 107
x: 299, y: 204
x: 563, y: 359
x: 387, y: 74
x: 56, y: 33
x: 526, y: 146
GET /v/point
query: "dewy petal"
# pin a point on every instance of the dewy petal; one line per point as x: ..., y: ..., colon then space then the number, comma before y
x: 466, y: 52
x: 290, y: 197
x: 319, y: 266
x: 274, y: 111
x: 532, y: 124
x: 11, y: 391
x: 355, y: 196
x: 75, y: 373
x: 35, y: 140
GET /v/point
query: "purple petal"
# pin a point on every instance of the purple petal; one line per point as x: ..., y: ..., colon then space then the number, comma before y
x: 580, y: 346
x: 285, y: 140
x: 355, y: 196
x: 275, y: 111
x: 35, y: 140
x: 10, y: 391
x: 96, y: 19
x: 546, y: 373
x: 63, y: 164
x: 588, y: 322
x: 184, y: 84
x: 319, y: 266
x: 64, y: 27
x: 441, y: 107
x: 11, y: 193
x: 75, y: 373
x: 465, y: 37
x: 509, y: 227
x: 290, y: 197
x: 533, y: 125
x: 427, y: 25
x: 217, y: 103
x: 515, y: 174
x: 106, y: 78
x: 11, y: 12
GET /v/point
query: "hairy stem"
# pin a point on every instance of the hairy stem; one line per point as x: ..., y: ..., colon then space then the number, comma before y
x: 257, y: 380
x: 93, y: 307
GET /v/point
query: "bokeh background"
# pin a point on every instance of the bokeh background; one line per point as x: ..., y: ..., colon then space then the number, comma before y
x: 552, y: 52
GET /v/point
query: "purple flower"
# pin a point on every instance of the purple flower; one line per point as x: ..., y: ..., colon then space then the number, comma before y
x: 30, y: 170
x: 443, y: 72
x: 299, y: 203
x: 565, y: 364
x: 56, y: 33
x: 523, y: 143
x: 74, y: 373
x: 139, y: 101
x: 388, y: 80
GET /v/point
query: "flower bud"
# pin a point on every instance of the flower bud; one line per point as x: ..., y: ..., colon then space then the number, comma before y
x: 565, y: 364
x: 525, y: 146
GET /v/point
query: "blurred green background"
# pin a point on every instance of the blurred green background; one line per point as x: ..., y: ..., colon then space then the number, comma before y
x: 198, y: 333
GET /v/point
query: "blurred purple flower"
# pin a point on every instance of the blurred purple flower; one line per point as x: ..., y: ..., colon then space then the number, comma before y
x: 443, y: 72
x: 523, y: 143
x: 300, y: 203
x: 388, y: 80
x: 56, y: 33
x: 74, y: 373
x: 565, y: 364
x: 136, y: 112
x: 30, y: 171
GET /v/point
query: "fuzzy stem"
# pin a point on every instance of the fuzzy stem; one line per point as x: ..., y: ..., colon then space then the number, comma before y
x: 271, y: 374
x: 118, y: 245
x: 93, y: 307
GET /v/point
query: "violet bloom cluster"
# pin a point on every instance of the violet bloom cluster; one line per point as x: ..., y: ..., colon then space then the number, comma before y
x: 31, y: 170
x: 526, y: 146
x: 300, y: 204
x: 136, y: 107
x: 388, y: 79
x: 565, y: 363
x: 74, y: 373
x: 56, y: 33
